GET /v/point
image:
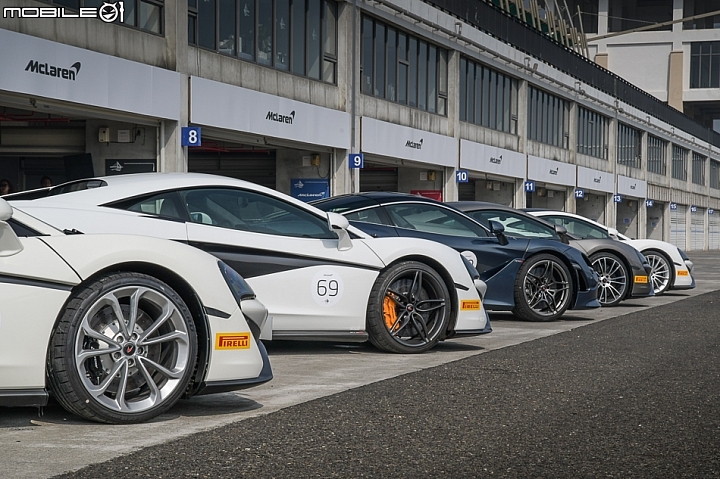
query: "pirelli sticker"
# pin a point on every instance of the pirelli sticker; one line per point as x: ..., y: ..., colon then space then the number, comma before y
x: 641, y: 279
x: 470, y: 305
x: 683, y: 273
x: 232, y: 341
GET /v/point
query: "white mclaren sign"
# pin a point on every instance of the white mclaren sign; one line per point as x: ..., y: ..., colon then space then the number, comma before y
x: 550, y: 171
x: 590, y: 179
x: 235, y: 108
x: 632, y: 187
x: 395, y: 141
x: 491, y: 159
x: 45, y: 69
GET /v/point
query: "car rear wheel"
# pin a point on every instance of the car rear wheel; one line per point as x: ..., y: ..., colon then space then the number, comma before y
x: 543, y: 288
x: 613, y: 278
x: 123, y: 351
x: 660, y: 274
x: 409, y: 308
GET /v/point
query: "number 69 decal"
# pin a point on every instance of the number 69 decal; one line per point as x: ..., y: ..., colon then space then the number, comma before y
x: 327, y: 288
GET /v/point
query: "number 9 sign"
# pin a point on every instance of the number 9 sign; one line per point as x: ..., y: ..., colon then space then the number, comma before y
x: 327, y: 288
x: 356, y: 160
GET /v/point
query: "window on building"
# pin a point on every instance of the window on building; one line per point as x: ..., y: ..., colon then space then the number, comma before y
x: 592, y: 134
x: 547, y: 118
x: 487, y: 98
x: 698, y: 168
x: 699, y: 7
x: 715, y: 174
x: 628, y: 14
x: 147, y: 15
x: 401, y: 68
x: 679, y: 163
x: 298, y: 36
x: 657, y: 155
x: 705, y: 65
x: 628, y: 146
x: 589, y: 14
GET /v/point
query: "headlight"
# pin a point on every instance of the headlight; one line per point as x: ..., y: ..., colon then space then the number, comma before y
x: 239, y: 287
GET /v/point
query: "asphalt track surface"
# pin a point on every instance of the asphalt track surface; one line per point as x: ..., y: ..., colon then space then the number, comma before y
x: 632, y: 396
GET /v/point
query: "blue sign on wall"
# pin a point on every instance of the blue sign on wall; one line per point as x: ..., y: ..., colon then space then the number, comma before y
x: 190, y: 136
x: 529, y: 186
x: 649, y: 203
x: 693, y: 209
x: 462, y: 176
x: 711, y: 211
x: 617, y: 198
x: 579, y: 193
x: 309, y: 189
x: 356, y: 160
x: 673, y: 206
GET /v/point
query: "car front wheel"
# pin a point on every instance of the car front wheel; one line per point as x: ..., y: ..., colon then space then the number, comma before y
x: 661, y: 273
x: 543, y: 288
x: 409, y: 308
x: 123, y: 350
x: 614, y: 279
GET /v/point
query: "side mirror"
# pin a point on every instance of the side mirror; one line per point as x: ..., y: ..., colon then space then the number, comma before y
x: 562, y: 233
x: 498, y: 229
x: 613, y: 232
x: 9, y: 242
x: 339, y: 224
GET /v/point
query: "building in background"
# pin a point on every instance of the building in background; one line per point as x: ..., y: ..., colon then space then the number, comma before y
x: 501, y: 94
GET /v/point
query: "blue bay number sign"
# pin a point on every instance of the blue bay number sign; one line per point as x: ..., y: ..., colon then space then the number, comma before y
x: 529, y: 186
x: 673, y: 206
x: 462, y: 176
x: 190, y: 136
x: 579, y: 193
x: 617, y: 198
x: 356, y: 160
x: 649, y: 203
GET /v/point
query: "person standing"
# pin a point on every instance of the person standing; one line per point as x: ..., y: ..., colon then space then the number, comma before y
x: 5, y: 187
x: 45, y: 182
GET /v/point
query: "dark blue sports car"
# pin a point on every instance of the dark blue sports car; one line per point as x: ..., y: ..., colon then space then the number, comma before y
x: 537, y: 279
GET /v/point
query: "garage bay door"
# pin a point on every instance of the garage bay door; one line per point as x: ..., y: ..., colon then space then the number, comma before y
x: 677, y: 226
x: 697, y: 229
x: 713, y: 231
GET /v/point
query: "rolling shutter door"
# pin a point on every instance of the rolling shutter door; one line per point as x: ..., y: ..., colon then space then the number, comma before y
x: 677, y: 226
x: 378, y: 179
x: 697, y: 230
x: 466, y: 191
x: 257, y: 167
x: 713, y: 231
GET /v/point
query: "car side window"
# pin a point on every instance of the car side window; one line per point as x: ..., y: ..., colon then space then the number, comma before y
x: 164, y: 204
x: 515, y: 225
x: 432, y: 219
x: 370, y: 215
x: 255, y: 212
x: 579, y: 228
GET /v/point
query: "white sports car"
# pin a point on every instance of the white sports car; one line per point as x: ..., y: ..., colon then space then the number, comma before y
x: 119, y: 327
x: 319, y: 277
x: 671, y: 268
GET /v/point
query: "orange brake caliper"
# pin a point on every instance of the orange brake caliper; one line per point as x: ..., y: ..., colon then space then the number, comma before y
x: 389, y: 312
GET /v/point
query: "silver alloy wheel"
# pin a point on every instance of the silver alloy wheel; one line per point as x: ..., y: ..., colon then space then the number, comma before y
x: 613, y: 280
x: 414, y: 308
x: 660, y: 273
x: 132, y: 349
x: 546, y: 287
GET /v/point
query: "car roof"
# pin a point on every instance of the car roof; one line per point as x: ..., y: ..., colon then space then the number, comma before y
x: 351, y: 201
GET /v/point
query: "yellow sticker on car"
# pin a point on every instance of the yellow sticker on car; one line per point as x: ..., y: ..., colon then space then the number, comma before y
x: 470, y: 305
x: 232, y: 341
x: 641, y: 279
x: 683, y: 273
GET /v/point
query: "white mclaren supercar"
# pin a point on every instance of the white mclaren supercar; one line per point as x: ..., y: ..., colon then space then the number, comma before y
x: 671, y: 268
x: 119, y: 327
x: 320, y: 278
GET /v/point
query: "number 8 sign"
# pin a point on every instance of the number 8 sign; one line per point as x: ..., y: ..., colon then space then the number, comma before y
x: 190, y: 136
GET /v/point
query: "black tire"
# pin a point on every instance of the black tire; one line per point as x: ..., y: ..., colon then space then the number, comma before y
x: 662, y: 274
x: 543, y: 288
x: 614, y: 278
x: 409, y: 308
x: 98, y: 373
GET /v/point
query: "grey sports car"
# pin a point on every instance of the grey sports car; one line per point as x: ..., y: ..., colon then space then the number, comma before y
x: 623, y: 270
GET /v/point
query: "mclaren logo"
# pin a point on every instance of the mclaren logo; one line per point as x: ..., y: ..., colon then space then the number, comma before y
x: 280, y: 118
x: 555, y: 171
x: 414, y: 144
x: 598, y: 179
x: 497, y: 160
x: 35, y: 66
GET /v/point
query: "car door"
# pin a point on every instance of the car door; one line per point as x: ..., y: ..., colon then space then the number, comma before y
x: 288, y: 255
x: 578, y: 228
x: 515, y: 224
x: 444, y: 225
